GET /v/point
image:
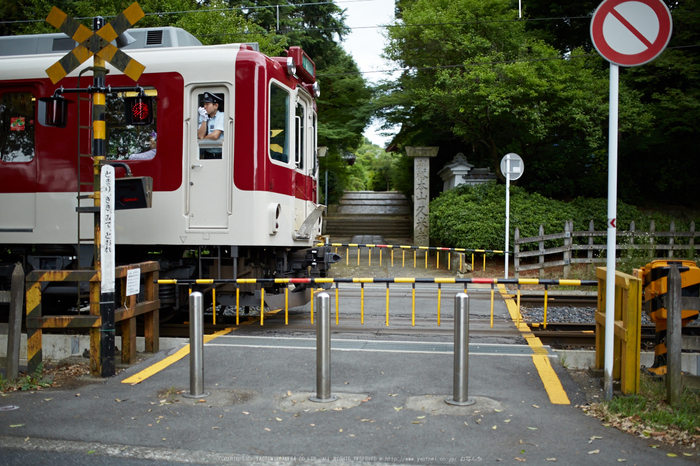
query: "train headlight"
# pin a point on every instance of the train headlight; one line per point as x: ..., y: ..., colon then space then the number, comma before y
x: 291, y: 66
x: 317, y: 89
x: 273, y: 217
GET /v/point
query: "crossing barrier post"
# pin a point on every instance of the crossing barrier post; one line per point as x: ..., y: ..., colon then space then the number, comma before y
x: 674, y: 380
x: 460, y: 396
x: 14, y: 327
x: 323, y: 350
x: 196, y: 347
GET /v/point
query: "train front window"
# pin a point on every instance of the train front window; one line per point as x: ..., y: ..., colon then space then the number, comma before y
x: 129, y: 142
x: 17, y: 110
x: 279, y: 124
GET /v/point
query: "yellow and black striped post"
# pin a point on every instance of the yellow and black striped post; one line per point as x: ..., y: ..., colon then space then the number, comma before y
x: 107, y: 364
x: 34, y: 335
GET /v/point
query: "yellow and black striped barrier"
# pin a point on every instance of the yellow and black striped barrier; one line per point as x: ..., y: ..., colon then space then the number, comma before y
x: 126, y: 314
x: 462, y: 252
x: 362, y: 281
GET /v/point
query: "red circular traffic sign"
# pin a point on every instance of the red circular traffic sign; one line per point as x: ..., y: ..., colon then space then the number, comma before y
x: 631, y: 32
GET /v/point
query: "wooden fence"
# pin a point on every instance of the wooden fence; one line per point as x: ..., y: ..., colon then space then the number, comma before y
x: 580, y: 247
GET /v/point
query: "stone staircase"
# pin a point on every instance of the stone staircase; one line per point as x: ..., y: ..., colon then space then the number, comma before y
x: 378, y: 213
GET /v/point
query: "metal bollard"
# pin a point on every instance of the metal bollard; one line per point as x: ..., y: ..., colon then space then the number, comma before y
x: 323, y: 350
x: 460, y: 396
x: 196, y: 347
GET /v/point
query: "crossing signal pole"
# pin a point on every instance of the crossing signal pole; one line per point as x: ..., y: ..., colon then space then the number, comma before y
x: 97, y: 44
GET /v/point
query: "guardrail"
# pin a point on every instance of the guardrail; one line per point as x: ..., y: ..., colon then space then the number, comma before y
x: 388, y: 281
x: 126, y: 313
x: 566, y: 246
x: 381, y: 247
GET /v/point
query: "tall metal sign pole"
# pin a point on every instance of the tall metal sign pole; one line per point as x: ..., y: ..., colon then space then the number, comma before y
x: 98, y: 44
x: 512, y: 167
x: 626, y: 33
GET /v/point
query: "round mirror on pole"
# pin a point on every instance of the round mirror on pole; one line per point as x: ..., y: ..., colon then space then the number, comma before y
x: 512, y: 167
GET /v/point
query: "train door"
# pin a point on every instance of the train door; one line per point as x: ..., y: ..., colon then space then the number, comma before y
x: 209, y: 168
x: 17, y: 164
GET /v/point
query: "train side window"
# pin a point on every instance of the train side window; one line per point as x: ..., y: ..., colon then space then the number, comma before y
x: 279, y: 123
x: 129, y: 142
x: 17, y: 113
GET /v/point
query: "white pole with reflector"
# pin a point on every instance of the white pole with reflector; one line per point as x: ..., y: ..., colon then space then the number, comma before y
x: 625, y: 33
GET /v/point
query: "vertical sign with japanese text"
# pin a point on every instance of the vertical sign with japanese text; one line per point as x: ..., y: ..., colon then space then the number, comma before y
x: 107, y: 240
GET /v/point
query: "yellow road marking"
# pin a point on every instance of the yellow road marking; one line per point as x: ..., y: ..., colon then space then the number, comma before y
x: 550, y: 380
x: 182, y: 352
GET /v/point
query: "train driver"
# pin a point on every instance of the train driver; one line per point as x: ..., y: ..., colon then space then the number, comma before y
x: 149, y: 154
x: 210, y: 124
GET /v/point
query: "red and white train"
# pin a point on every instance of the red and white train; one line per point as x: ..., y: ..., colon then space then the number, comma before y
x: 243, y: 206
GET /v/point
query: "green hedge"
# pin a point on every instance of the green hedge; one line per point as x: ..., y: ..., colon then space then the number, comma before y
x: 474, y: 216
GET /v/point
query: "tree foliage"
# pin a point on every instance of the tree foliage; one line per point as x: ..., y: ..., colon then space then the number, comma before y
x: 478, y: 80
x: 657, y: 164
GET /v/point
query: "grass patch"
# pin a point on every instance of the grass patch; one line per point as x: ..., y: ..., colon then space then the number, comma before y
x: 649, y: 415
x: 34, y: 381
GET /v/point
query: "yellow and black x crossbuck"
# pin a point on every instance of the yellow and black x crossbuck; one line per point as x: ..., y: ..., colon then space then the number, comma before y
x: 95, y: 43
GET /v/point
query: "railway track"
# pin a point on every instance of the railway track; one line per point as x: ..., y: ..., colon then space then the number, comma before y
x: 555, y: 334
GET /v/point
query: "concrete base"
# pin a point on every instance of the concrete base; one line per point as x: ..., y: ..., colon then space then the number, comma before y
x: 585, y: 359
x: 58, y: 347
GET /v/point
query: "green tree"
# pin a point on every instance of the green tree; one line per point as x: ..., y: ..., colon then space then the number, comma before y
x: 344, y: 106
x: 658, y: 164
x: 476, y: 77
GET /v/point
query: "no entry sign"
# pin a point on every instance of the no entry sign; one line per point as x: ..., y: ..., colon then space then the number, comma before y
x: 631, y: 32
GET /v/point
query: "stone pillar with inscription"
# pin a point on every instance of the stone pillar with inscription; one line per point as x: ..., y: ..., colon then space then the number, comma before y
x: 421, y: 192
